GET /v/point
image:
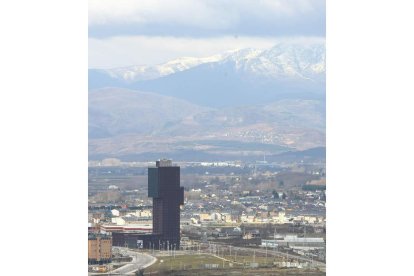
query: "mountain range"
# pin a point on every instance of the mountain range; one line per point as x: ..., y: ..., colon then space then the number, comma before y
x: 242, y: 102
x: 239, y: 77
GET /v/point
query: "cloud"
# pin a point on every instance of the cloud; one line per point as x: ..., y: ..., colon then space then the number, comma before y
x: 150, y: 50
x: 200, y: 18
x: 129, y: 32
x: 186, y: 12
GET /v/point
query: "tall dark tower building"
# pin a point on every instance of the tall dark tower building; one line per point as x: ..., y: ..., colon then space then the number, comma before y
x: 164, y: 188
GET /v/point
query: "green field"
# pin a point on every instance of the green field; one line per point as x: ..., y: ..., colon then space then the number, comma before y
x: 184, y: 262
x: 195, y: 265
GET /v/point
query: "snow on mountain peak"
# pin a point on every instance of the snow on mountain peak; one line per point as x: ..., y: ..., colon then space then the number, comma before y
x: 145, y: 72
x: 283, y: 60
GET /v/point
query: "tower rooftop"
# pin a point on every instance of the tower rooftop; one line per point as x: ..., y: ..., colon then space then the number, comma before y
x: 163, y: 163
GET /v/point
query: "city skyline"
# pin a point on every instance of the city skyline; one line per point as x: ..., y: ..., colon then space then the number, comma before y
x: 234, y: 93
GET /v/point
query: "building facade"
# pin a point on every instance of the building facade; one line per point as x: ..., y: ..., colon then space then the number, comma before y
x: 164, y: 187
x: 99, y: 248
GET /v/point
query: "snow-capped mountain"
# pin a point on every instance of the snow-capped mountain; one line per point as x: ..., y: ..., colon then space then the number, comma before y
x: 238, y: 77
x: 211, y: 107
x: 283, y: 60
x: 146, y: 72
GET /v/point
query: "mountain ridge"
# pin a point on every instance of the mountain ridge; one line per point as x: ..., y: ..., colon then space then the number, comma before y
x: 125, y: 121
x: 239, y: 103
x: 278, y: 54
x: 238, y: 77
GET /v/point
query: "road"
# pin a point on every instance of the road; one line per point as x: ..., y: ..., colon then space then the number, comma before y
x: 139, y: 260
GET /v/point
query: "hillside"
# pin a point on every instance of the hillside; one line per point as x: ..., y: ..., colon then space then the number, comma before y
x: 124, y: 122
x: 233, y: 105
x: 116, y: 111
x: 240, y: 77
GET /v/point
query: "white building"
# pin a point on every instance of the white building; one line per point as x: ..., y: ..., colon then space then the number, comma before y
x: 281, y: 218
x: 294, y: 241
x: 115, y: 213
x: 118, y: 221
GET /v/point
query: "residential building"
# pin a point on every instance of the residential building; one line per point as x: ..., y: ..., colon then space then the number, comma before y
x: 99, y: 248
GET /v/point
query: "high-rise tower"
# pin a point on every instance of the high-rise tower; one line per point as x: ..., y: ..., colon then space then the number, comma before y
x: 164, y: 188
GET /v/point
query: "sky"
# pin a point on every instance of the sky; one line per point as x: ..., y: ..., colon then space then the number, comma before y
x: 143, y: 32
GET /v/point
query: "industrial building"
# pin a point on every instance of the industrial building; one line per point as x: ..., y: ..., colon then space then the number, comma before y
x: 164, y: 187
x: 131, y: 228
x: 294, y: 241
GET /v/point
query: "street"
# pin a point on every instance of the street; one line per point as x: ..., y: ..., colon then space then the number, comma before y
x: 139, y: 260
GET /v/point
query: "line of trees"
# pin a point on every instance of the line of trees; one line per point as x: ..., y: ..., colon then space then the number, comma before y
x: 275, y: 195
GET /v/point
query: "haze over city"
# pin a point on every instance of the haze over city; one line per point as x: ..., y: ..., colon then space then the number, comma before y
x: 225, y: 137
x: 207, y: 137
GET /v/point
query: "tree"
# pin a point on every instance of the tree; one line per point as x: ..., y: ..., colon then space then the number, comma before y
x: 284, y: 196
x: 323, y: 196
x: 275, y: 194
x: 281, y: 183
x: 139, y: 272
